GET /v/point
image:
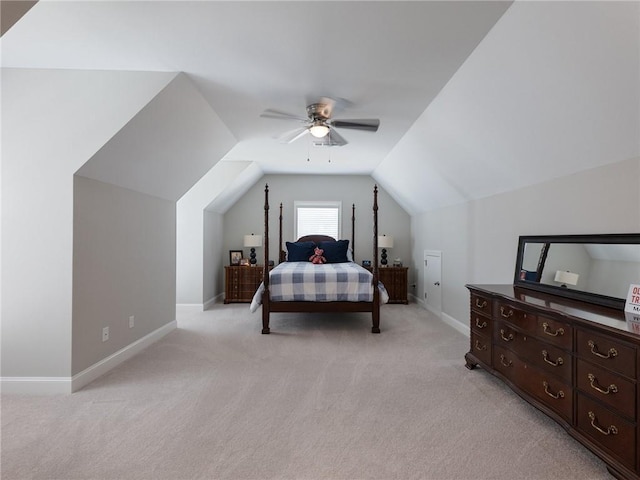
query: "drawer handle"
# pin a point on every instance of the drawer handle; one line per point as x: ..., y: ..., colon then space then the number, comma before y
x: 508, y: 338
x: 612, y: 430
x: 545, y: 328
x: 480, y: 305
x: 557, y: 396
x: 506, y: 363
x: 594, y: 349
x: 594, y: 384
x: 510, y: 314
x: 480, y: 325
x: 479, y: 346
x: 545, y: 357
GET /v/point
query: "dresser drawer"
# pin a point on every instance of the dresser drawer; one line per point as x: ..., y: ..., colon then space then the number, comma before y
x: 481, y: 304
x: 610, y: 431
x: 520, y: 318
x: 555, y: 394
x: 617, y: 392
x: 509, y: 364
x: 554, y: 331
x: 481, y: 347
x: 547, y: 357
x: 607, y: 352
x: 481, y: 323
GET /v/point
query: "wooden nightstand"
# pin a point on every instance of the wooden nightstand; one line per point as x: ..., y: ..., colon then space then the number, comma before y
x: 395, y: 280
x: 241, y: 283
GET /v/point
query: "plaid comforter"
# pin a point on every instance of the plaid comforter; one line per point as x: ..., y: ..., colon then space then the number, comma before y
x: 331, y: 282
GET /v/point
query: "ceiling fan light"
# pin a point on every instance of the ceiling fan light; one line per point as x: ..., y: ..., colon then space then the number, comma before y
x: 319, y: 130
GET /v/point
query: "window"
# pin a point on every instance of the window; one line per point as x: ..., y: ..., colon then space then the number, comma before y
x: 318, y: 218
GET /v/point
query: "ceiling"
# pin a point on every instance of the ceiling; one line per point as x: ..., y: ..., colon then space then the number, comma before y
x: 385, y: 60
x: 474, y: 98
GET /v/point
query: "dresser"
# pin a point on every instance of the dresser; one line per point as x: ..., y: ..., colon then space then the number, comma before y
x: 241, y: 283
x: 579, y: 363
x: 395, y: 280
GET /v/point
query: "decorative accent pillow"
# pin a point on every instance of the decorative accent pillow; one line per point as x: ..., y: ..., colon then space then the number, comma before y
x: 299, y: 251
x: 335, y: 252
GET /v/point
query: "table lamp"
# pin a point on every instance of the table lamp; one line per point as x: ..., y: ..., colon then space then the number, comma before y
x: 253, y: 241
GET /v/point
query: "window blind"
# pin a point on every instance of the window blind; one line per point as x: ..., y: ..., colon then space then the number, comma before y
x: 318, y: 219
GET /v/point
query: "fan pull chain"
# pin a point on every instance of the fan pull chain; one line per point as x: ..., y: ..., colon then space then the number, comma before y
x: 308, y: 148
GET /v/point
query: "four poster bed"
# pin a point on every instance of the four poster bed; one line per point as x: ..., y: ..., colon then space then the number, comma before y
x: 340, y: 285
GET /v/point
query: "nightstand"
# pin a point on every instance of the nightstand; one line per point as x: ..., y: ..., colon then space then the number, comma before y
x: 395, y: 280
x: 241, y: 283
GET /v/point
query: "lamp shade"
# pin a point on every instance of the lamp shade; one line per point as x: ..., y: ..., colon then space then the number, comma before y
x: 253, y: 240
x: 385, y: 241
x: 567, y: 278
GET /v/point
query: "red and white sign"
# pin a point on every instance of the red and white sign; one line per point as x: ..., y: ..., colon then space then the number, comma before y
x: 632, y: 308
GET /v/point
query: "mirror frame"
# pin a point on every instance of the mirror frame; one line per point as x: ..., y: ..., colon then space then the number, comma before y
x: 604, y: 300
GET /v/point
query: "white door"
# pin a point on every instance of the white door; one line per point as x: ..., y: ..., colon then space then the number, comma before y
x: 432, y: 279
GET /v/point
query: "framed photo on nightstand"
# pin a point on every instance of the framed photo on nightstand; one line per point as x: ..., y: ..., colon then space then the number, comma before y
x: 234, y: 257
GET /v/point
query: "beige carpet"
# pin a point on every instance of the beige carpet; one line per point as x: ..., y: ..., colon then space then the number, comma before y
x: 319, y: 398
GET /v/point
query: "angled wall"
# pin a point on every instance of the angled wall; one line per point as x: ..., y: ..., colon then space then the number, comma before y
x: 52, y: 122
x: 479, y: 239
x: 125, y: 224
x: 199, y: 234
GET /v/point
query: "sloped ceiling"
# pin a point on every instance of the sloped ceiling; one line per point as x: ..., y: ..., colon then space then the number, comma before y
x: 387, y: 60
x: 166, y: 148
x: 472, y: 100
x: 553, y: 89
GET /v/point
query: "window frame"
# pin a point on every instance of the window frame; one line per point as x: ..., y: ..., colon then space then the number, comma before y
x: 337, y: 204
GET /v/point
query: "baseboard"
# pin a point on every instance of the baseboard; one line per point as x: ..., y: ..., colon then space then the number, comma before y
x: 67, y: 385
x: 459, y: 326
x: 103, y: 366
x: 217, y: 299
x: 35, y: 385
x: 418, y: 300
x: 448, y: 319
x: 189, y: 307
x: 426, y: 306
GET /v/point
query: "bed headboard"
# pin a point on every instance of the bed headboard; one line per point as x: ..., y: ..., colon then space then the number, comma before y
x: 282, y: 255
x: 316, y: 239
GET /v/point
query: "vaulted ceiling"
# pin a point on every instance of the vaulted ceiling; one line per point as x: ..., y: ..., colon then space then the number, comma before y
x: 474, y: 98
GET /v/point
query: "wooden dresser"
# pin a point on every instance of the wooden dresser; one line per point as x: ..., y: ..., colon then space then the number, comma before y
x: 579, y: 363
x: 241, y: 283
x: 395, y: 280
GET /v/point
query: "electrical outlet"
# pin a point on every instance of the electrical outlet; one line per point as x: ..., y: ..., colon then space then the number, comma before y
x: 132, y: 321
x: 105, y: 334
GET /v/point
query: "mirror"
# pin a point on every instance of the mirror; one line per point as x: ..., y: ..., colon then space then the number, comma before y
x: 592, y: 268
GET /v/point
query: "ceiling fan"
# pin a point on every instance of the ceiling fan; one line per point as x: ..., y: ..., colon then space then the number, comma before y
x: 320, y: 125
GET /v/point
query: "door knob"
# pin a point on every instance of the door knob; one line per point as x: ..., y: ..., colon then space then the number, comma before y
x: 437, y: 284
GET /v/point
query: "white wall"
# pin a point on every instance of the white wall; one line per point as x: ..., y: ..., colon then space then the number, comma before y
x: 197, y: 235
x: 124, y: 249
x: 479, y: 239
x: 52, y: 122
x: 247, y: 215
x: 213, y: 282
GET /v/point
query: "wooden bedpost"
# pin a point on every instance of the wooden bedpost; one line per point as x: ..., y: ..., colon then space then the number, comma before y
x: 280, y: 254
x: 376, y: 293
x: 353, y: 231
x: 265, y: 267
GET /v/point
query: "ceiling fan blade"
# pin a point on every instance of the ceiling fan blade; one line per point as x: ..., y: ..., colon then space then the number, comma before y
x: 368, y: 124
x: 293, y: 135
x: 278, y: 115
x: 332, y: 139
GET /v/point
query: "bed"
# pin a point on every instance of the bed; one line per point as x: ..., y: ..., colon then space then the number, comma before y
x: 298, y: 285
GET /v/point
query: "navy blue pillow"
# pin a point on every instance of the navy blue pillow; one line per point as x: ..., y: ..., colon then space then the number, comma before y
x: 299, y: 251
x: 335, y: 252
